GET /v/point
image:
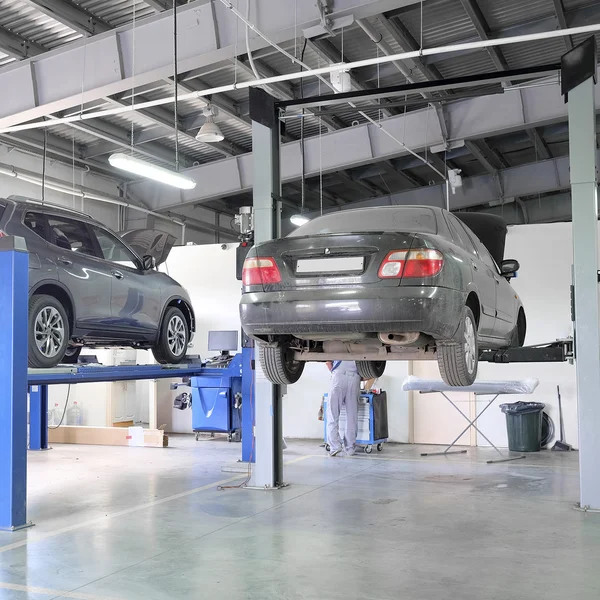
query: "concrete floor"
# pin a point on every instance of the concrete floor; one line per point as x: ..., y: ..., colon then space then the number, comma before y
x: 144, y: 523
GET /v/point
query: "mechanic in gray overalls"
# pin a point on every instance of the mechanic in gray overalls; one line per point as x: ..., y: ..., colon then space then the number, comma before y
x: 345, y: 388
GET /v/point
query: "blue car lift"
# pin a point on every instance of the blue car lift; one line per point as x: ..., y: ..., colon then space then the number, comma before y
x: 15, y: 380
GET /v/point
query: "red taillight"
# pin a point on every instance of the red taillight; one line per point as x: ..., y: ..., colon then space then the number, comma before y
x: 2, y: 234
x: 260, y: 271
x: 423, y: 262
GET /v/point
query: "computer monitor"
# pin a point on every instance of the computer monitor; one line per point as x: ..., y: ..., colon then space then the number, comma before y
x: 222, y: 341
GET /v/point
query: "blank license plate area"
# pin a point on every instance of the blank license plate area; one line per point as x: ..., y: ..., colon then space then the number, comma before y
x: 345, y: 264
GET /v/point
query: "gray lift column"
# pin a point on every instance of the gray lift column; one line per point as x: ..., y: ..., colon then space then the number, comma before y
x: 578, y: 70
x: 268, y: 470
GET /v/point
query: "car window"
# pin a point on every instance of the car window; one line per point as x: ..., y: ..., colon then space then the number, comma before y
x: 38, y: 224
x: 387, y: 218
x: 115, y: 250
x: 460, y: 233
x: 70, y: 234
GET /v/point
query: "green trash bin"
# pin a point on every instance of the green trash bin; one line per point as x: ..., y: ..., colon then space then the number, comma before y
x: 524, y: 425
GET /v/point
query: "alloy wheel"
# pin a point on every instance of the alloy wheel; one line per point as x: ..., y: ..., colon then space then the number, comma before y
x: 49, y: 331
x: 176, y: 335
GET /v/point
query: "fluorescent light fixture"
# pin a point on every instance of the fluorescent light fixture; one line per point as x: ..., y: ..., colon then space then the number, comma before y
x: 299, y: 220
x: 210, y: 132
x: 145, y: 169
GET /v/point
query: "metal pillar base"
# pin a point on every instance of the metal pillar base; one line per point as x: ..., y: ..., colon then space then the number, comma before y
x: 266, y: 488
x: 18, y: 527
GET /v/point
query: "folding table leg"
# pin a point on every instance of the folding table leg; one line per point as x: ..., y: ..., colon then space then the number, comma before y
x: 472, y: 424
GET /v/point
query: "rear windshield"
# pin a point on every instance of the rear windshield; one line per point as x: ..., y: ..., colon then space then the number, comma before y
x: 387, y: 218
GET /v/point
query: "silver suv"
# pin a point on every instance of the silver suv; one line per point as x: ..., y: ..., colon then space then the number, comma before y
x: 90, y: 287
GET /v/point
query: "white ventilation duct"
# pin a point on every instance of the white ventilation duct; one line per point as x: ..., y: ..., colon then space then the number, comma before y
x: 573, y: 31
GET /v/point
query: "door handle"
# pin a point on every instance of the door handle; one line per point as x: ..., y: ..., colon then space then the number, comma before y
x: 117, y: 274
x: 475, y: 267
x: 65, y: 261
x: 497, y: 281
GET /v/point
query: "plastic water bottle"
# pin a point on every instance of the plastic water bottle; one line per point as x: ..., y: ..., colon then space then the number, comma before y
x: 74, y: 416
x: 53, y: 416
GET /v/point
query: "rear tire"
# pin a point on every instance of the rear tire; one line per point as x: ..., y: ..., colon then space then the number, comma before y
x: 458, y: 358
x: 71, y: 356
x: 48, y: 334
x: 370, y: 369
x: 173, y: 338
x: 279, y: 365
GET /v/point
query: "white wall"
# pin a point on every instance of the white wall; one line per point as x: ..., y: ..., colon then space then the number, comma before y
x: 546, y: 255
x: 208, y: 274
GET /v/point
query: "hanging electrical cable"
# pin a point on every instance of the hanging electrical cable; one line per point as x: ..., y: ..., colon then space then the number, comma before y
x: 44, y: 156
x: 175, y: 85
x: 248, y: 51
x: 132, y: 133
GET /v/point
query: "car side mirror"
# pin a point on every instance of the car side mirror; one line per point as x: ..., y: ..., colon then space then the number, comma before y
x: 509, y: 268
x: 148, y: 262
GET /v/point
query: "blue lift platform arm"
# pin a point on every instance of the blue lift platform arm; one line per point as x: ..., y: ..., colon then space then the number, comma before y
x: 15, y: 380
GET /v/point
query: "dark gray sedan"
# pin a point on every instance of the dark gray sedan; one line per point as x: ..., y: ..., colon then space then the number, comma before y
x: 379, y: 284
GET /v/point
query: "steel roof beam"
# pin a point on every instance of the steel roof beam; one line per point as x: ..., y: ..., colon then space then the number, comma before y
x: 17, y: 46
x: 539, y: 144
x: 72, y: 15
x: 407, y: 43
x: 227, y: 107
x: 526, y: 180
x: 158, y: 5
x: 562, y: 21
x: 330, y: 55
x: 166, y: 126
x: 483, y: 30
x: 115, y: 138
x: 575, y: 18
x: 469, y: 119
x: 481, y: 157
x: 57, y: 148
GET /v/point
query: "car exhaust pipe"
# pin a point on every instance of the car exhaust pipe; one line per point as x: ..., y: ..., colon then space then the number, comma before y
x: 399, y: 339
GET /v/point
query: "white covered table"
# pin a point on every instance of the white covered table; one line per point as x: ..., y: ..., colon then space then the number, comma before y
x: 479, y: 388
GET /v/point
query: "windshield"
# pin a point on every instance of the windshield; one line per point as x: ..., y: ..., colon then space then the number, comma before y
x: 412, y: 219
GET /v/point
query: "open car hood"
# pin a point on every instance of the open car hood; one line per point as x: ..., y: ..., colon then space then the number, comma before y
x: 153, y: 242
x: 490, y: 229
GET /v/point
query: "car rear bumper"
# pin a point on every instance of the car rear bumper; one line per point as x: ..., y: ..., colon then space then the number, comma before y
x: 431, y: 310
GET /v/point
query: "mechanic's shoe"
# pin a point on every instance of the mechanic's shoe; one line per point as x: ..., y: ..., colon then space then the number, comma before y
x: 350, y: 451
x: 333, y: 453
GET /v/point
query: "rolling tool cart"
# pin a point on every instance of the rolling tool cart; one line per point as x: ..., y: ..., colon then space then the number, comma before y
x: 372, y: 421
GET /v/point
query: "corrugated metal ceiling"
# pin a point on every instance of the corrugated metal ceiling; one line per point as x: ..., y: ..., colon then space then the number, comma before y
x: 33, y: 25
x: 434, y: 23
